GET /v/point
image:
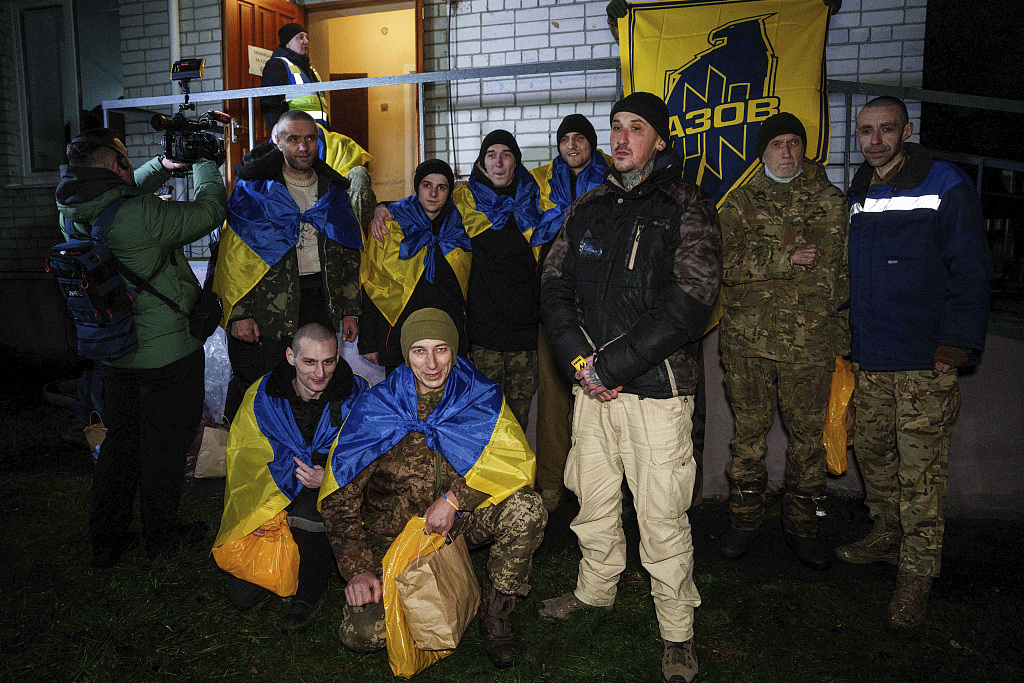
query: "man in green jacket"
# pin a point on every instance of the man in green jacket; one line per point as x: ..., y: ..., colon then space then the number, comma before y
x: 154, y: 395
x: 786, y: 275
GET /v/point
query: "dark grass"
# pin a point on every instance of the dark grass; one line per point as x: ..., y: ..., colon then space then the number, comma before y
x: 764, y: 618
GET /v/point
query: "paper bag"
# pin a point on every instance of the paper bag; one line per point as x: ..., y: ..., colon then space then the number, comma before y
x: 440, y: 596
x: 405, y: 658
x: 95, y: 432
x: 835, y: 435
x: 211, y: 462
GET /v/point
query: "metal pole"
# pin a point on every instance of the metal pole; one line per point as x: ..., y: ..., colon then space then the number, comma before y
x: 423, y: 139
x: 252, y: 126
x: 981, y: 170
x: 848, y: 98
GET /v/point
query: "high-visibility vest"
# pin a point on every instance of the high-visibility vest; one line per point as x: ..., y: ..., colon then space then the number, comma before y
x: 310, y: 103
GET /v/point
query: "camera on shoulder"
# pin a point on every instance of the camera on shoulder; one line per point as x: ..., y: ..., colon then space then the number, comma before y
x: 187, y: 140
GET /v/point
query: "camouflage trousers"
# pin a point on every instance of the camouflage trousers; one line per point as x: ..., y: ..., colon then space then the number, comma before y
x: 515, y: 371
x: 554, y: 418
x: 904, y: 424
x: 515, y: 526
x: 755, y: 387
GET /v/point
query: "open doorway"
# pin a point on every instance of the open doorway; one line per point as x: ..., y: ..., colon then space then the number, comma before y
x: 377, y: 40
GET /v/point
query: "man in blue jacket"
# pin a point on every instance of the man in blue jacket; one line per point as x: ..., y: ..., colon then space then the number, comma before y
x: 919, y: 274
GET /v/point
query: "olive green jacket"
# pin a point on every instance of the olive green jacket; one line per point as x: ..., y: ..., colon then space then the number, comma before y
x: 772, y: 308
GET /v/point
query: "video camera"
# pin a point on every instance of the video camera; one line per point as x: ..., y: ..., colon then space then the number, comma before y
x: 187, y: 141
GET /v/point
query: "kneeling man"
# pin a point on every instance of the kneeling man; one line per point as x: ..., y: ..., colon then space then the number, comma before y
x: 436, y: 439
x: 276, y: 456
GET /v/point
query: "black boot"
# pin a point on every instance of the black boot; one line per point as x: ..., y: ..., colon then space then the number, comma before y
x: 496, y: 628
x: 737, y: 542
x: 810, y: 551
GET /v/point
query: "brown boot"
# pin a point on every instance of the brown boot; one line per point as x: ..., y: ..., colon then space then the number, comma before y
x: 678, y: 662
x: 910, y: 599
x: 881, y: 545
x: 496, y: 628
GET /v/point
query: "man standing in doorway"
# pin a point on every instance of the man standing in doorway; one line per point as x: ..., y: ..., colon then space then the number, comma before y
x: 289, y: 65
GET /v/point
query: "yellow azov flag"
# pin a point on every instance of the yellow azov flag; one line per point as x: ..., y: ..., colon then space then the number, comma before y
x: 723, y: 67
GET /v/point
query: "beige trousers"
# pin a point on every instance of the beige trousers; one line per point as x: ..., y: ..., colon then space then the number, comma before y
x: 648, y: 441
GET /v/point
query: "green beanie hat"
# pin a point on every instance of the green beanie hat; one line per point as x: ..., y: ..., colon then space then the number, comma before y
x: 429, y: 323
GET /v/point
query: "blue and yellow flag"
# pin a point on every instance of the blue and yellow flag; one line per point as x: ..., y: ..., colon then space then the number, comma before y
x: 340, y: 152
x: 263, y: 224
x: 390, y: 270
x: 723, y: 67
x: 472, y: 427
x: 482, y: 208
x: 260, y: 471
x: 556, y: 192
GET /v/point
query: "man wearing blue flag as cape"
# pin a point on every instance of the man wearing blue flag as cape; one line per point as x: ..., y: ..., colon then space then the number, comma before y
x: 579, y: 167
x: 276, y: 456
x: 289, y: 254
x: 418, y: 259
x: 436, y: 439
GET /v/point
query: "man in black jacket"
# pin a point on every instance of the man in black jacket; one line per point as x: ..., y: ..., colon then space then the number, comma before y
x: 289, y: 65
x: 627, y: 289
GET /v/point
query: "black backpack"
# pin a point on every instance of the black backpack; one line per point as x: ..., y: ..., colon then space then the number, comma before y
x: 92, y: 281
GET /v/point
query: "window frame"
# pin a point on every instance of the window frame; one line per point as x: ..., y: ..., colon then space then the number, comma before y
x: 68, y: 45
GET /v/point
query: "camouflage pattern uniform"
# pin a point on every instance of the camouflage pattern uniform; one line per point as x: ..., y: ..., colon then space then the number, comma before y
x: 780, y: 326
x: 363, y: 519
x: 515, y: 372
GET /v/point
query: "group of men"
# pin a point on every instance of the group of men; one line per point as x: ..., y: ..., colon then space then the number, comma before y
x: 595, y: 272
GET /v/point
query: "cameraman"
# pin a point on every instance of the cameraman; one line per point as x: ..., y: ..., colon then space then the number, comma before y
x: 154, y: 395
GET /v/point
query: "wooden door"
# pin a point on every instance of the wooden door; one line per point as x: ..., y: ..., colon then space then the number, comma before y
x: 250, y: 22
x: 350, y: 112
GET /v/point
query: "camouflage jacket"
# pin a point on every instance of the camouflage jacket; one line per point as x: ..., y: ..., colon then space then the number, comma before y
x: 774, y: 309
x: 363, y: 518
x: 274, y: 301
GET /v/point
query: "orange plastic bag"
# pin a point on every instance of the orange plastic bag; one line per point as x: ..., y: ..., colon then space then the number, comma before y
x: 834, y: 437
x: 267, y: 557
x: 405, y: 658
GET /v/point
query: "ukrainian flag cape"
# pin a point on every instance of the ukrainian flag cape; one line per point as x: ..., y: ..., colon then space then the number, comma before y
x: 390, y: 270
x: 482, y: 208
x: 472, y: 427
x: 263, y: 224
x: 555, y: 183
x: 340, y: 152
x: 723, y: 67
x: 260, y: 471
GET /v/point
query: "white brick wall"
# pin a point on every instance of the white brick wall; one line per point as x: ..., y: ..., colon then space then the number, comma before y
x: 146, y: 60
x: 875, y: 41
x: 872, y: 41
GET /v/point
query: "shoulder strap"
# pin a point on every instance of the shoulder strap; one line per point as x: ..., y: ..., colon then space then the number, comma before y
x: 101, y: 226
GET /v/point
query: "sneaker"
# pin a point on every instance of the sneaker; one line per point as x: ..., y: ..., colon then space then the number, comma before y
x: 810, y: 551
x: 301, y: 617
x: 737, y: 542
x: 878, y: 546
x: 910, y: 599
x: 557, y: 610
x: 678, y: 662
x: 244, y: 595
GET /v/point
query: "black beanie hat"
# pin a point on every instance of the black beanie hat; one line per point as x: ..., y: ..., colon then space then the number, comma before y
x: 289, y: 31
x: 651, y: 107
x: 577, y: 123
x: 776, y: 125
x: 431, y: 166
x: 500, y: 137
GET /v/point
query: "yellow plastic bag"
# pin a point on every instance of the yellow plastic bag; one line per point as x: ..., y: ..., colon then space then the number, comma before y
x: 834, y: 437
x: 405, y: 658
x: 267, y: 557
